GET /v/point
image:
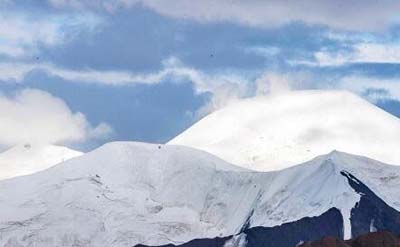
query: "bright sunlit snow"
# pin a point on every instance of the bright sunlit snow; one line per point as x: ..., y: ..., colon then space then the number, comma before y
x: 274, y: 132
x: 30, y: 158
x: 127, y: 193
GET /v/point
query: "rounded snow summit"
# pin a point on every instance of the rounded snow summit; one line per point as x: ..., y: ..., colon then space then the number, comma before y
x: 274, y: 132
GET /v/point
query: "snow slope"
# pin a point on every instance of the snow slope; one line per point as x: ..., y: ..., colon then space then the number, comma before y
x: 123, y: 194
x: 274, y: 132
x: 30, y: 158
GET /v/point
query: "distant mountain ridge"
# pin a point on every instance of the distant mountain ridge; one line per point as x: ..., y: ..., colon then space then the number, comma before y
x: 29, y: 158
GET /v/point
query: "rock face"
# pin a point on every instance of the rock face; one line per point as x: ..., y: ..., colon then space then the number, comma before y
x: 374, y: 239
x: 326, y: 242
x: 371, y: 212
x: 289, y: 234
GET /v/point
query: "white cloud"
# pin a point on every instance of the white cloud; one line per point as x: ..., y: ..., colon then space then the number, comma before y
x: 269, y: 82
x: 362, y: 53
x: 378, y: 53
x: 15, y: 71
x: 20, y: 33
x: 108, y: 5
x: 370, y: 88
x: 224, y: 85
x: 37, y: 116
x: 17, y: 33
x: 222, y: 96
x: 272, y: 83
x: 362, y: 84
x: 266, y: 51
x: 172, y: 68
x: 370, y: 14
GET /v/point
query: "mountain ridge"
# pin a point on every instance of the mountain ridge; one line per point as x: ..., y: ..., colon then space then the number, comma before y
x: 29, y: 158
x: 124, y: 194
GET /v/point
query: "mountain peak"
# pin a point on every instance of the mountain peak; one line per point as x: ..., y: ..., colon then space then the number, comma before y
x: 278, y: 131
x: 337, y: 155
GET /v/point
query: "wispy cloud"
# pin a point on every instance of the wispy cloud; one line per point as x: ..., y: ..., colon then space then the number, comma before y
x: 371, y: 15
x: 17, y: 33
x: 21, y: 33
x: 223, y: 85
x: 172, y: 68
x: 362, y: 53
x: 373, y: 89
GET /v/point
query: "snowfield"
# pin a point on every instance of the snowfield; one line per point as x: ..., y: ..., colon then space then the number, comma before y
x: 30, y: 158
x: 127, y: 193
x: 281, y: 130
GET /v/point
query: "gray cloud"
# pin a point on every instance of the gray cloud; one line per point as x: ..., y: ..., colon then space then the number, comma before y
x: 368, y: 15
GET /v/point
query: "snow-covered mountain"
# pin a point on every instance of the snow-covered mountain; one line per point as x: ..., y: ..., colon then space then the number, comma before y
x: 30, y: 158
x: 124, y: 194
x: 278, y: 131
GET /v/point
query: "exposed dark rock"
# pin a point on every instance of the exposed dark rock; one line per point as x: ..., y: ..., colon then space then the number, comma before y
x: 326, y: 242
x: 374, y: 239
x: 371, y: 213
x: 285, y: 235
x: 303, y: 230
x: 215, y: 242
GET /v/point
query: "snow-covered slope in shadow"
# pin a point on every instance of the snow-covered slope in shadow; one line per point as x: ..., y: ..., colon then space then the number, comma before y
x: 124, y: 194
x: 274, y: 132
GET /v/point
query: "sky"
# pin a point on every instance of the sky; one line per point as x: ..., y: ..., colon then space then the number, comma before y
x: 82, y: 73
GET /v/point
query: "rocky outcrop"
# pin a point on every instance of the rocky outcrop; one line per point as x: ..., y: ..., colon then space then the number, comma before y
x: 326, y: 242
x: 374, y: 239
x: 371, y: 213
x: 288, y: 234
